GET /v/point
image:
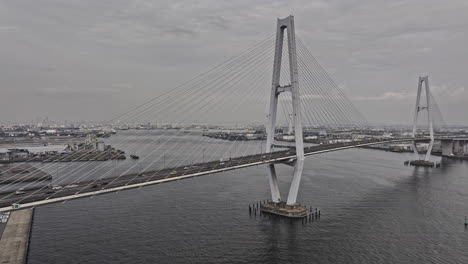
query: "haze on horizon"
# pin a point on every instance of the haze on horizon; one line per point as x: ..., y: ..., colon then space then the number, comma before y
x: 91, y: 60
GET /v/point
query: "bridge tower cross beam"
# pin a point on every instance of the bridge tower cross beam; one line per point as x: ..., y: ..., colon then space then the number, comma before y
x: 285, y: 25
x: 420, y: 108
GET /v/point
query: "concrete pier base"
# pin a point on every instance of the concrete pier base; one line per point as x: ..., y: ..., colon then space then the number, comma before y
x: 282, y: 209
x: 15, y: 238
x: 423, y: 163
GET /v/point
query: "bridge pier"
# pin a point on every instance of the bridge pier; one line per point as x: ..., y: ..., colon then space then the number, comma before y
x: 273, y: 180
x: 285, y: 24
x: 285, y: 210
x: 418, y: 161
x: 455, y: 148
x: 294, y: 189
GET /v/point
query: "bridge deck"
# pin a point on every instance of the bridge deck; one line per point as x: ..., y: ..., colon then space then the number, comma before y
x: 111, y: 184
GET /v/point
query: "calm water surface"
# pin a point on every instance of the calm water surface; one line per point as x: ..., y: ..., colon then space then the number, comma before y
x: 374, y: 210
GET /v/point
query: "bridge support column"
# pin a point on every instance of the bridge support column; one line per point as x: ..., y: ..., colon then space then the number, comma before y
x: 286, y: 24
x: 294, y: 189
x: 273, y: 180
x: 447, y: 147
x: 418, y: 109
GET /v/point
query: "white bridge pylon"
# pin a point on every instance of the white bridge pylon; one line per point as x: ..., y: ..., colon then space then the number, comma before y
x: 285, y: 24
x: 420, y: 108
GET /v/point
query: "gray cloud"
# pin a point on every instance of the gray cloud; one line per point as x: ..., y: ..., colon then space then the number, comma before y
x: 376, y: 49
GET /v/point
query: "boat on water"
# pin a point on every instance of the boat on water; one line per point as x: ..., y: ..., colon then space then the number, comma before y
x: 133, y: 156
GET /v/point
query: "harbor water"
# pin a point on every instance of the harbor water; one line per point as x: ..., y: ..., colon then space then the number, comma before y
x: 373, y: 210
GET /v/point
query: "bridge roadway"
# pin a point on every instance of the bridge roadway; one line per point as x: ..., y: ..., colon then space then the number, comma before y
x: 32, y: 198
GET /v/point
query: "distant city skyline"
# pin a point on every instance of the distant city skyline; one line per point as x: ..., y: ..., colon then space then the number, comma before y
x: 88, y: 60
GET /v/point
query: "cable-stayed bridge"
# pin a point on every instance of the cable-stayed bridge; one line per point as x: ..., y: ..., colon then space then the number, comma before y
x: 299, y: 95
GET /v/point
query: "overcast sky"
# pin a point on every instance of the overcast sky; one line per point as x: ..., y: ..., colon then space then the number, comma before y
x: 91, y: 60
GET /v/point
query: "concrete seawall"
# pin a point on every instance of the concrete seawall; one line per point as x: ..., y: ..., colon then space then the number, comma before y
x: 14, y: 241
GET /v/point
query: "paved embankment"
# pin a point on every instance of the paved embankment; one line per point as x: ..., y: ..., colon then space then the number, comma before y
x: 15, y: 238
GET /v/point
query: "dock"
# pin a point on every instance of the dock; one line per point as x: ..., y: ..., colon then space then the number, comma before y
x: 14, y: 241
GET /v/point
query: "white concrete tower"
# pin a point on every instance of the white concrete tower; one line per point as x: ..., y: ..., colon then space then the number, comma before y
x: 285, y: 24
x: 420, y: 108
